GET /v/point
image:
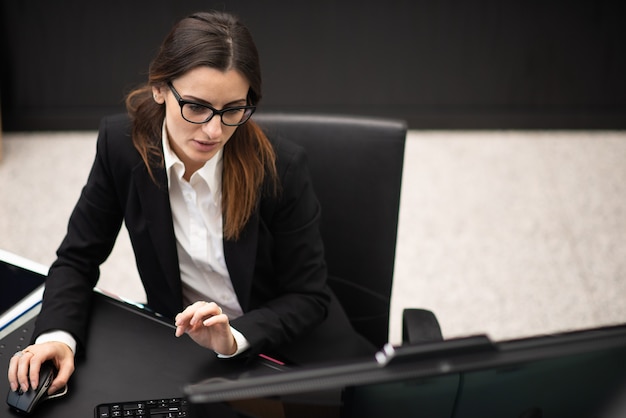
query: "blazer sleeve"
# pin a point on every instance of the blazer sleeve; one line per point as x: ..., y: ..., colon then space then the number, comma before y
x: 91, y: 233
x: 288, y: 295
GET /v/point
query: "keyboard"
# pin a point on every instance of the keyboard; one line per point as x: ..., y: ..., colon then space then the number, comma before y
x: 159, y: 408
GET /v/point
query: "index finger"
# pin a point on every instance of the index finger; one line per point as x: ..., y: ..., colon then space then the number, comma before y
x: 33, y: 371
x: 183, y: 318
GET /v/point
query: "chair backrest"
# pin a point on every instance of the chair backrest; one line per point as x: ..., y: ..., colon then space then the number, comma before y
x: 356, y: 166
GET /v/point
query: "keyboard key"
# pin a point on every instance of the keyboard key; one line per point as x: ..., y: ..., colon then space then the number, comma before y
x: 103, y: 412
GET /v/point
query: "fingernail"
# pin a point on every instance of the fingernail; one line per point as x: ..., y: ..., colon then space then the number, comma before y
x: 14, y: 387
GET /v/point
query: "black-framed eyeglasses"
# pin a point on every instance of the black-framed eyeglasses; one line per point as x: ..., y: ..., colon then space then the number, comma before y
x: 201, y: 113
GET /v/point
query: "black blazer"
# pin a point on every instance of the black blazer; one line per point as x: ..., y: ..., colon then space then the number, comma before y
x: 277, y: 265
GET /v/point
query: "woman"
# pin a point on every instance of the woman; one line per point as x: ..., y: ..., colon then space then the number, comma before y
x: 221, y: 220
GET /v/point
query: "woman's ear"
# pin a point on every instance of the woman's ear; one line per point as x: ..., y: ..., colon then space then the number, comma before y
x: 158, y: 95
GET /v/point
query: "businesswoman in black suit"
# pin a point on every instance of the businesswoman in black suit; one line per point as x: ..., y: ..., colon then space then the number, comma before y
x: 223, y: 221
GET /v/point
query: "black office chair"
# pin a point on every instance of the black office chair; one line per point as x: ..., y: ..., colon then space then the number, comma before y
x: 356, y: 166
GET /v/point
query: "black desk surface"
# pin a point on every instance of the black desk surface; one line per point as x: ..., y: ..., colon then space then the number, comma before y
x: 130, y: 356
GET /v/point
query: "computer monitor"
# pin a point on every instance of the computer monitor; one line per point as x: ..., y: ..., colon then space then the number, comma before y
x: 576, y: 374
x: 22, y: 284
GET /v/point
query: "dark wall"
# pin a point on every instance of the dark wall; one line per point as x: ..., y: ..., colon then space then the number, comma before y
x: 437, y: 64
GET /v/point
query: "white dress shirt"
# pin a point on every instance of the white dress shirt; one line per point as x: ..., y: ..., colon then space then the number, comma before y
x: 197, y: 214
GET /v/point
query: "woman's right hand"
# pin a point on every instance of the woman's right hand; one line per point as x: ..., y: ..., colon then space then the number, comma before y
x: 24, y: 368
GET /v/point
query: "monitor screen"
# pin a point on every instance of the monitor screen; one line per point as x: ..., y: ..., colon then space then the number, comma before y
x: 578, y: 374
x: 22, y: 283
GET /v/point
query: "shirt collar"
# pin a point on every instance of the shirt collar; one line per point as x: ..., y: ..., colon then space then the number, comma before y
x: 210, y: 172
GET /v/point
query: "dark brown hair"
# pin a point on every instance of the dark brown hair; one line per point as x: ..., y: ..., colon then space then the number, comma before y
x: 217, y: 40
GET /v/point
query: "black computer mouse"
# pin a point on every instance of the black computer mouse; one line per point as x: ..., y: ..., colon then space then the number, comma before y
x: 27, y: 401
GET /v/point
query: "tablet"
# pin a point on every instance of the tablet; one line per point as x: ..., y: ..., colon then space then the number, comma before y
x: 22, y: 284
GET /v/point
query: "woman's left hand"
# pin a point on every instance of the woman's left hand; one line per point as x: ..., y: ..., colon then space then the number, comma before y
x: 205, y: 323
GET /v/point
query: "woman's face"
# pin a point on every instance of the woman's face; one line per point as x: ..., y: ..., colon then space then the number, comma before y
x: 195, y: 144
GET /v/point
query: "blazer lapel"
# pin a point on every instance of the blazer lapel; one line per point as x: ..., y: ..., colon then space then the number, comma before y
x: 240, y: 258
x: 154, y: 198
